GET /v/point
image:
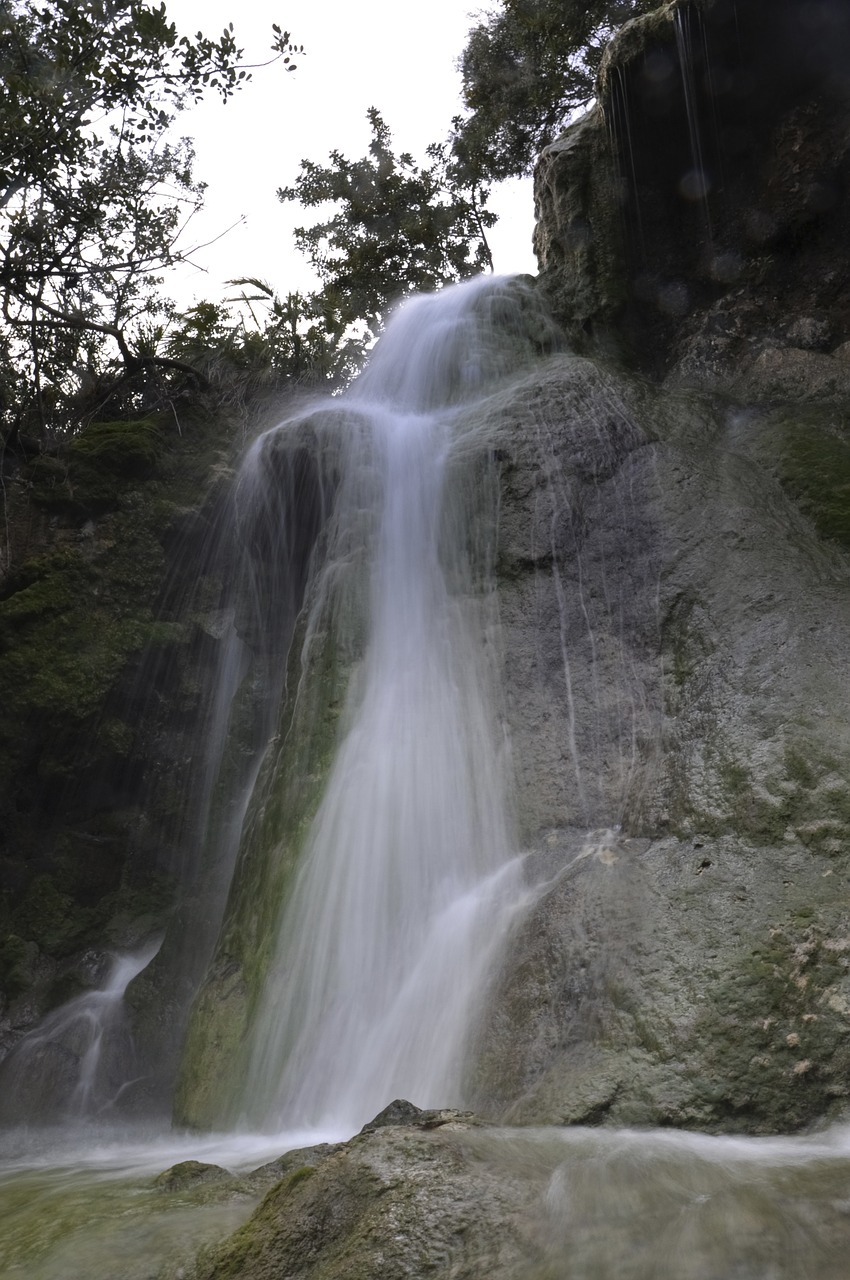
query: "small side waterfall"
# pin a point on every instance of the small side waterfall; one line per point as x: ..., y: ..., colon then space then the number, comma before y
x: 391, y: 923
x: 80, y: 1058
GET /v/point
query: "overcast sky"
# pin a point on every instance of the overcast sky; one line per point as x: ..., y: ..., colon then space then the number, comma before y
x: 380, y: 53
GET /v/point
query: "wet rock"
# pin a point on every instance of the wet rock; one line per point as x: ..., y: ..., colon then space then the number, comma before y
x: 267, y: 1175
x: 675, y: 607
x: 189, y: 1173
x: 810, y: 333
x: 397, y: 1202
x: 724, y: 184
x: 398, y: 1112
x: 794, y: 375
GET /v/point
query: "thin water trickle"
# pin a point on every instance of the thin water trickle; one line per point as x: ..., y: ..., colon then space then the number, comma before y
x: 696, y: 184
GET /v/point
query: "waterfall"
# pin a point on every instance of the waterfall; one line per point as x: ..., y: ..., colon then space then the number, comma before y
x: 390, y: 926
x: 80, y: 1058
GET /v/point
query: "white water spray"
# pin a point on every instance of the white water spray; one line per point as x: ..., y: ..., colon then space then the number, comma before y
x: 407, y: 884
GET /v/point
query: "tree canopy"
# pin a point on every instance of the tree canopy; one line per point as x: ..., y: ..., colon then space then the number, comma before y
x: 526, y: 67
x: 94, y: 195
x: 397, y: 227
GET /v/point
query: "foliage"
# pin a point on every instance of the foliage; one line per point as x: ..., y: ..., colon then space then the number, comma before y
x: 93, y: 197
x: 526, y: 67
x: 257, y: 340
x: 397, y: 227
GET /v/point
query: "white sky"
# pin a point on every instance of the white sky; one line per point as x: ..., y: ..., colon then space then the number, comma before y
x: 380, y: 53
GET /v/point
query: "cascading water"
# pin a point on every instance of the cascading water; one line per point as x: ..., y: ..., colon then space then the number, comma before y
x: 407, y: 883
x: 80, y: 1058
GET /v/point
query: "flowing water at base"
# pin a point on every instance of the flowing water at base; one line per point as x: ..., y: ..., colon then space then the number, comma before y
x: 84, y: 1203
x: 606, y: 1204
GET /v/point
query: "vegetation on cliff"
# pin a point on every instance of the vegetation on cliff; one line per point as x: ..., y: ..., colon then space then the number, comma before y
x: 527, y: 67
x: 94, y: 195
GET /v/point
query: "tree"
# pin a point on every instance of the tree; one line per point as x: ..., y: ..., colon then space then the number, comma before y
x: 257, y: 341
x: 93, y: 195
x: 398, y: 227
x: 526, y: 68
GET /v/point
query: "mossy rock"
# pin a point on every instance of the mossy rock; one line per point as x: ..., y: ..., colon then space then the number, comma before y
x: 49, y: 917
x: 776, y: 1057
x: 96, y: 470
x: 128, y: 449
x: 16, y: 964
x: 190, y: 1174
x: 815, y: 468
x: 49, y: 483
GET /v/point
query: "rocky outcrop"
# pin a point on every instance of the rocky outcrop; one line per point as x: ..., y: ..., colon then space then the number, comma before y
x: 676, y: 637
x: 405, y: 1198
x: 708, y: 191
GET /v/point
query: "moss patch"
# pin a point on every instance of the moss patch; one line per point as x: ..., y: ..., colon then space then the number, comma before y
x: 121, y: 448
x: 776, y: 1057
x: 807, y: 799
x: 99, y: 466
x: 815, y: 469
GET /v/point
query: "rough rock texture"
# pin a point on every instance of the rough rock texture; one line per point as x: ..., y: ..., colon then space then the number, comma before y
x: 399, y: 1200
x: 708, y: 191
x: 577, y: 233
x: 676, y: 640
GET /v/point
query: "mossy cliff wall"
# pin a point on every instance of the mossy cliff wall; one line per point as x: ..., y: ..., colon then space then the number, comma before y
x: 107, y: 628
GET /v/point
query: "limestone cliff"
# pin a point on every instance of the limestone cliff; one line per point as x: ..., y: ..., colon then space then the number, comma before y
x: 684, y: 545
x: 699, y: 215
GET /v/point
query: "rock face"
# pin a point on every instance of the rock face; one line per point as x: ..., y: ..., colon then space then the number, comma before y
x: 676, y: 638
x: 700, y: 213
